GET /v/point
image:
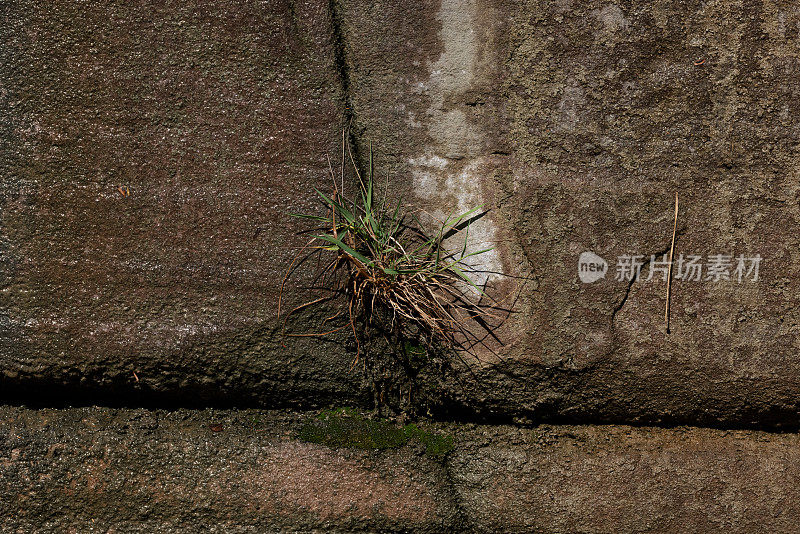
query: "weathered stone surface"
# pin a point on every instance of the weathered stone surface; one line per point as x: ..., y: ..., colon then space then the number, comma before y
x: 207, y: 471
x: 150, y: 155
x: 624, y: 479
x: 576, y: 123
x: 243, y: 471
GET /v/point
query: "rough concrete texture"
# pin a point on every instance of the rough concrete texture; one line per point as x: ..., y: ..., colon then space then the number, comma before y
x: 576, y: 123
x: 150, y: 155
x: 105, y: 470
x: 625, y: 479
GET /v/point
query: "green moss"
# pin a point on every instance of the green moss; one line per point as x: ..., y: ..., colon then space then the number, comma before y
x: 435, y: 444
x: 347, y: 428
x: 415, y: 350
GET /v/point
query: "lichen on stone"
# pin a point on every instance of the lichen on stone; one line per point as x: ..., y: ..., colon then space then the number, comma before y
x: 348, y: 428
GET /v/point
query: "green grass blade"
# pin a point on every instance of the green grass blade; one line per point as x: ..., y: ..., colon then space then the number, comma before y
x: 466, y: 215
x: 376, y: 227
x: 476, y: 253
x: 369, y: 181
x: 453, y: 267
x: 345, y: 248
x: 347, y: 214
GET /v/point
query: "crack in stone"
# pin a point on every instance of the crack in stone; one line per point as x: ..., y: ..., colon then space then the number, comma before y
x: 343, y: 70
x: 633, y: 280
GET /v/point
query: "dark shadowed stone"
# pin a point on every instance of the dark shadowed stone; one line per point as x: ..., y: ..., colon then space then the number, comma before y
x: 150, y: 155
x: 576, y: 123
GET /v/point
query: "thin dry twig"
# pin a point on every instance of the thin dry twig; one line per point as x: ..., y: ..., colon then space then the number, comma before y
x: 669, y: 269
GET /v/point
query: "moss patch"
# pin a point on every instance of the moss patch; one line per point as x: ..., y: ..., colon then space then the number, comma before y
x: 345, y: 427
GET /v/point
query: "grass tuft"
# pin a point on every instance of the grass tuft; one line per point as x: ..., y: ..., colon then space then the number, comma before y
x: 394, y: 275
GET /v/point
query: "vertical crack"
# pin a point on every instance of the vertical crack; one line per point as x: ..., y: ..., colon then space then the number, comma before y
x: 633, y: 280
x: 462, y: 510
x: 343, y: 69
x: 619, y: 306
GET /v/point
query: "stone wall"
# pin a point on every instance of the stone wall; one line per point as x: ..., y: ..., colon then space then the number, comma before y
x: 151, y: 154
x: 87, y: 469
x: 577, y: 123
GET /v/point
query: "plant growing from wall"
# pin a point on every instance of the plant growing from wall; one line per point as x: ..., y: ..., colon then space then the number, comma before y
x: 396, y: 278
